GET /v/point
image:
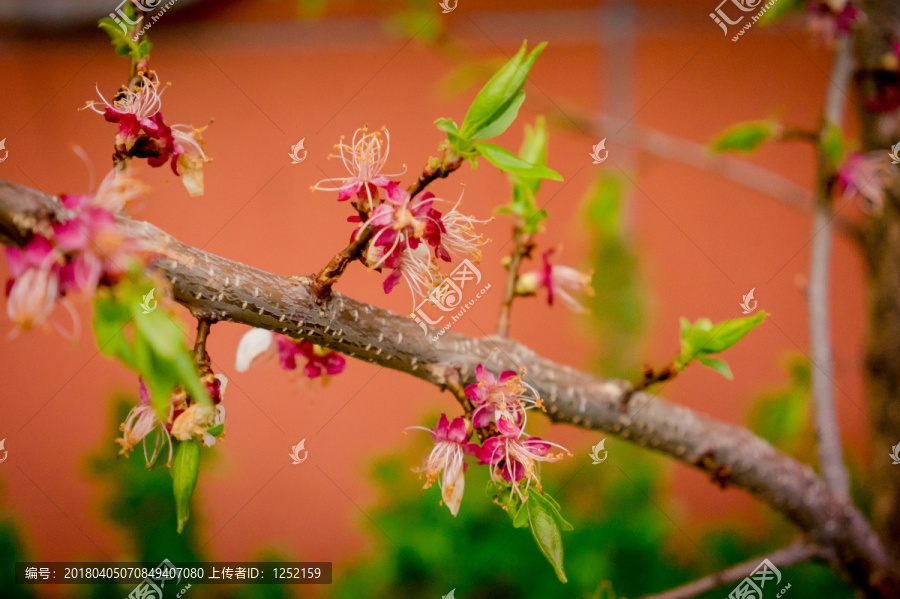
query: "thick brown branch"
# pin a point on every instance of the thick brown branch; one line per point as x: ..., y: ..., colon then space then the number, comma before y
x: 213, y: 286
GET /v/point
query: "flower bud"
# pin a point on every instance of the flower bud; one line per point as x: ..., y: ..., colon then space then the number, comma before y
x: 528, y: 283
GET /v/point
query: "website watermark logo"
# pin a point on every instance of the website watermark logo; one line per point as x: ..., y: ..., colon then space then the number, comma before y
x: 152, y: 586
x: 149, y: 304
x: 3, y: 148
x: 449, y: 595
x: 600, y: 147
x: 894, y: 153
x: 295, y: 152
x: 448, y: 297
x: 722, y: 16
x: 3, y: 449
x: 295, y: 453
x: 895, y: 455
x: 445, y: 4
x: 746, y: 303
x: 752, y: 586
x: 595, y: 452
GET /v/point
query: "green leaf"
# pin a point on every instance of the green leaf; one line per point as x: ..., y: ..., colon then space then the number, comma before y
x: 216, y: 430
x: 506, y: 161
x: 703, y: 338
x: 502, y: 122
x: 520, y: 520
x: 185, y: 469
x: 719, y: 366
x: 546, y: 524
x: 500, y: 98
x: 462, y: 147
x: 746, y: 137
x: 833, y: 146
x: 523, y: 204
x: 780, y: 9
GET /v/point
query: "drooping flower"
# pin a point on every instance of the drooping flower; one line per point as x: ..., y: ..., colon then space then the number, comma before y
x: 558, y: 281
x: 867, y: 175
x: 260, y: 343
x: 34, y: 283
x: 184, y: 419
x: 447, y: 460
x: 364, y: 159
x: 506, y: 396
x: 189, y: 157
x: 516, y: 456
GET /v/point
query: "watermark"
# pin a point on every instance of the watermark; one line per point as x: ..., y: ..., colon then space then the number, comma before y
x: 144, y: 6
x: 5, y: 151
x: 448, y: 297
x: 163, y: 573
x: 295, y: 152
x: 723, y: 19
x: 600, y: 147
x: 449, y: 595
x: 445, y: 4
x: 295, y: 453
x: 895, y: 455
x: 748, y: 303
x: 3, y: 449
x: 752, y: 586
x: 149, y: 304
x: 894, y: 153
x: 595, y: 452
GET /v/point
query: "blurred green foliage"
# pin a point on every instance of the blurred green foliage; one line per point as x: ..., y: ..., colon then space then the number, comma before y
x: 618, y: 308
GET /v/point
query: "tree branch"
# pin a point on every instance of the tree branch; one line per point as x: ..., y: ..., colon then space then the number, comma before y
x: 831, y: 459
x: 215, y: 287
x: 790, y: 555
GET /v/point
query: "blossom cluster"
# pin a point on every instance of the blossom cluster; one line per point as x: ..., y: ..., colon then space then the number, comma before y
x: 184, y: 419
x: 827, y: 17
x: 260, y: 343
x: 500, y: 411
x: 76, y: 255
x: 143, y: 132
x: 404, y: 226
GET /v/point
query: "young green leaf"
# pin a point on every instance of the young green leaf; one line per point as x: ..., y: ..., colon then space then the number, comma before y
x: 833, y: 146
x: 497, y: 104
x: 523, y: 204
x: 508, y: 162
x: 701, y: 339
x: 746, y: 137
x: 185, y: 469
x: 546, y: 527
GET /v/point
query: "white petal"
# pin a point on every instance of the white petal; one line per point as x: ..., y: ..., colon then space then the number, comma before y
x: 254, y: 343
x: 452, y: 490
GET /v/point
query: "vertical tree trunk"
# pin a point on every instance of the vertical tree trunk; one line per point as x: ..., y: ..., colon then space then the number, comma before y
x: 877, y: 89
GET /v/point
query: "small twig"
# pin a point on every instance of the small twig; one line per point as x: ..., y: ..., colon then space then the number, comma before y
x: 521, y: 249
x: 831, y: 458
x: 201, y: 357
x: 328, y: 276
x: 651, y: 377
x: 798, y: 134
x: 790, y: 555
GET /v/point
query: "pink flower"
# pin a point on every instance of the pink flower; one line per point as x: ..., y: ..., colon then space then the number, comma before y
x: 34, y: 284
x: 447, y: 459
x: 867, y: 175
x: 505, y: 396
x: 458, y: 236
x: 143, y: 132
x: 516, y: 456
x: 133, y: 109
x: 558, y: 280
x: 140, y: 422
x: 364, y: 159
x: 825, y: 18
x: 258, y: 343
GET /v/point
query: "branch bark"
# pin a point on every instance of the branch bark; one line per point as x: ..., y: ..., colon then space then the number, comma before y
x: 214, y: 287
